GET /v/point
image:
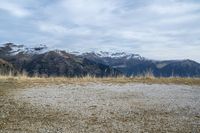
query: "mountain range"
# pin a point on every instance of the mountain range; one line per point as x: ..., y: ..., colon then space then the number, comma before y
x: 40, y: 61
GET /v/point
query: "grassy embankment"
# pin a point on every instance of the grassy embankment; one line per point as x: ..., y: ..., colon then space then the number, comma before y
x: 87, y: 79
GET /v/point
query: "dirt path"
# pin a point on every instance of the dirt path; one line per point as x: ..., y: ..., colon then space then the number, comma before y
x: 101, y: 108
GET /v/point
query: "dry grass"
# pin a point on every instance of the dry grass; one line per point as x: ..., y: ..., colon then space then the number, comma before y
x: 118, y: 80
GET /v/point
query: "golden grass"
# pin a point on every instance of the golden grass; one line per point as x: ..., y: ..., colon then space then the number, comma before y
x: 87, y: 79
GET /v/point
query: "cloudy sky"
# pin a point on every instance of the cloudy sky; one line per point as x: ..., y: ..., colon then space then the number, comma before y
x: 157, y: 29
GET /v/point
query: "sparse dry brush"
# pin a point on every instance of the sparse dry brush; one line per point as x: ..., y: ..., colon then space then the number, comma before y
x: 148, y: 79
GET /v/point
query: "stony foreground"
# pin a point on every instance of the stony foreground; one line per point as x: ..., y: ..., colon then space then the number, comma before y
x: 101, y: 108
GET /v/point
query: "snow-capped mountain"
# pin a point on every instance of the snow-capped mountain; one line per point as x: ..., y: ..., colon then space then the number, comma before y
x: 117, y: 55
x: 134, y: 64
x: 43, y: 61
x: 13, y: 49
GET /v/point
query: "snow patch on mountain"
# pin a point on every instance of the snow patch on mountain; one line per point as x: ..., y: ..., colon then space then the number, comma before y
x: 117, y: 55
x: 40, y: 49
x: 16, y: 49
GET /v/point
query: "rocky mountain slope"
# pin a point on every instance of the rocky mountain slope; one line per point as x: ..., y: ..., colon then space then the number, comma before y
x: 39, y: 61
x: 134, y: 64
x: 42, y: 61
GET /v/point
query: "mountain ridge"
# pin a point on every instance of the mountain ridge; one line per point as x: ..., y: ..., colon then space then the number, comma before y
x: 43, y: 61
x: 53, y: 63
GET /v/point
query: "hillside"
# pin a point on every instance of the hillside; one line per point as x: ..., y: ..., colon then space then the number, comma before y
x: 134, y: 64
x: 5, y: 67
x: 42, y: 61
x: 37, y: 61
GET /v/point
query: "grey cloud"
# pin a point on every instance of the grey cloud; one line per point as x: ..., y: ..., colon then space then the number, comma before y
x: 151, y: 28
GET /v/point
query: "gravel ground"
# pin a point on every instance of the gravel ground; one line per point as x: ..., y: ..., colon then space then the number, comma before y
x: 98, y: 107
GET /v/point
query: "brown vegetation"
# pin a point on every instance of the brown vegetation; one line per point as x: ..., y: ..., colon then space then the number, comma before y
x: 118, y: 80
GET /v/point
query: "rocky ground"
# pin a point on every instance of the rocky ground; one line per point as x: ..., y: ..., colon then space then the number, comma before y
x: 99, y: 108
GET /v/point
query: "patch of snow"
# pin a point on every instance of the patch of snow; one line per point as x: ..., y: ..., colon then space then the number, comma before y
x: 117, y: 55
x: 16, y: 49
